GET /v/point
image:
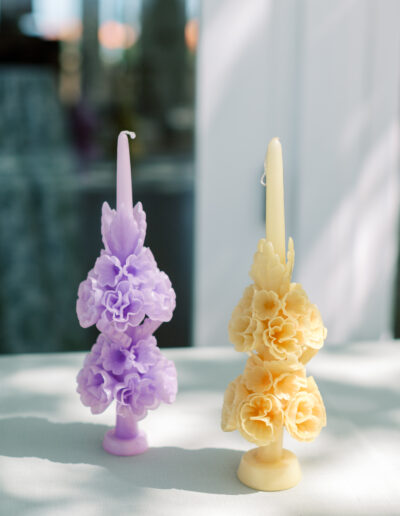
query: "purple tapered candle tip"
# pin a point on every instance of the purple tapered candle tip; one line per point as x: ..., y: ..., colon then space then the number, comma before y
x: 124, y: 175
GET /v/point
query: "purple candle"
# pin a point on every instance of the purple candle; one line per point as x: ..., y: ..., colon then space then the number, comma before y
x: 127, y: 297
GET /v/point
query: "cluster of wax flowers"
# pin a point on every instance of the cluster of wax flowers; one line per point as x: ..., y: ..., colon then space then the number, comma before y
x: 126, y: 296
x: 281, y: 330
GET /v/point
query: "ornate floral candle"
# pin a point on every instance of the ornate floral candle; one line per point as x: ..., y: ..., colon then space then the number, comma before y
x: 280, y: 330
x: 127, y: 297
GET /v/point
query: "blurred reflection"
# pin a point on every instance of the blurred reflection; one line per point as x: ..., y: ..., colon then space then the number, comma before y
x: 72, y: 75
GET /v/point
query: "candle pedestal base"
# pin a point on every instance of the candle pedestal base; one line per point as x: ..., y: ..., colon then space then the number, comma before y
x: 125, y: 447
x: 125, y: 439
x: 277, y: 475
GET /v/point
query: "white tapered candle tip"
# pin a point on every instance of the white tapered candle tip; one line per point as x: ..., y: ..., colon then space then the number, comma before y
x: 275, y: 141
x: 273, y: 146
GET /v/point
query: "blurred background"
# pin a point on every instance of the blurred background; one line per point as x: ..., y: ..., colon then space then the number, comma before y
x: 205, y: 84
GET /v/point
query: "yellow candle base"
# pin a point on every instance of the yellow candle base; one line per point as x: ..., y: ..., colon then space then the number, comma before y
x: 276, y: 475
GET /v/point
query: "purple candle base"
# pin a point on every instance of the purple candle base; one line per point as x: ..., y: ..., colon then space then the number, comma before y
x: 125, y: 439
x: 125, y: 447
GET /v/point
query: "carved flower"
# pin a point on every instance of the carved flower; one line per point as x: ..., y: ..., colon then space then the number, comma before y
x: 266, y: 304
x: 295, y: 302
x: 296, y: 305
x: 93, y: 357
x: 235, y: 393
x: 259, y: 418
x: 316, y: 330
x: 247, y: 299
x: 283, y: 378
x: 140, y: 268
x: 124, y: 305
x: 108, y: 270
x: 256, y: 375
x: 146, y: 354
x: 314, y: 333
x: 159, y: 302
x: 283, y: 338
x: 163, y: 376
x: 136, y: 394
x: 88, y: 307
x: 305, y: 414
x: 244, y: 331
x: 115, y: 357
x: 95, y: 387
x: 288, y: 378
x: 139, y: 393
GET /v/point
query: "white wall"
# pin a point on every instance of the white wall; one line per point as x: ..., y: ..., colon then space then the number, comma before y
x: 324, y: 77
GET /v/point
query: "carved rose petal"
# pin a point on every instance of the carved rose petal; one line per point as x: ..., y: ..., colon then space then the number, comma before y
x: 235, y: 393
x: 305, y: 414
x: 260, y: 418
x: 266, y: 304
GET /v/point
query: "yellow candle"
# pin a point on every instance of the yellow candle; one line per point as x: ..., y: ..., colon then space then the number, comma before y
x: 275, y: 211
x: 281, y: 330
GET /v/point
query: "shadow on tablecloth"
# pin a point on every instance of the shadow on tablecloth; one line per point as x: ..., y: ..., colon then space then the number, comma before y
x: 206, y: 470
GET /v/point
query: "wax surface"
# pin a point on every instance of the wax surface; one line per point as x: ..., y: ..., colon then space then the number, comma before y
x: 124, y: 174
x: 281, y: 330
x: 127, y: 297
x: 275, y: 208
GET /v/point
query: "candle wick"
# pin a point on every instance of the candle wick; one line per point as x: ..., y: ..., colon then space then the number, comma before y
x: 263, y: 179
x: 131, y: 134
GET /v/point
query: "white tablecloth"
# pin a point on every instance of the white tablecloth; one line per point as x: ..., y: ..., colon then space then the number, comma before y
x: 52, y: 462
